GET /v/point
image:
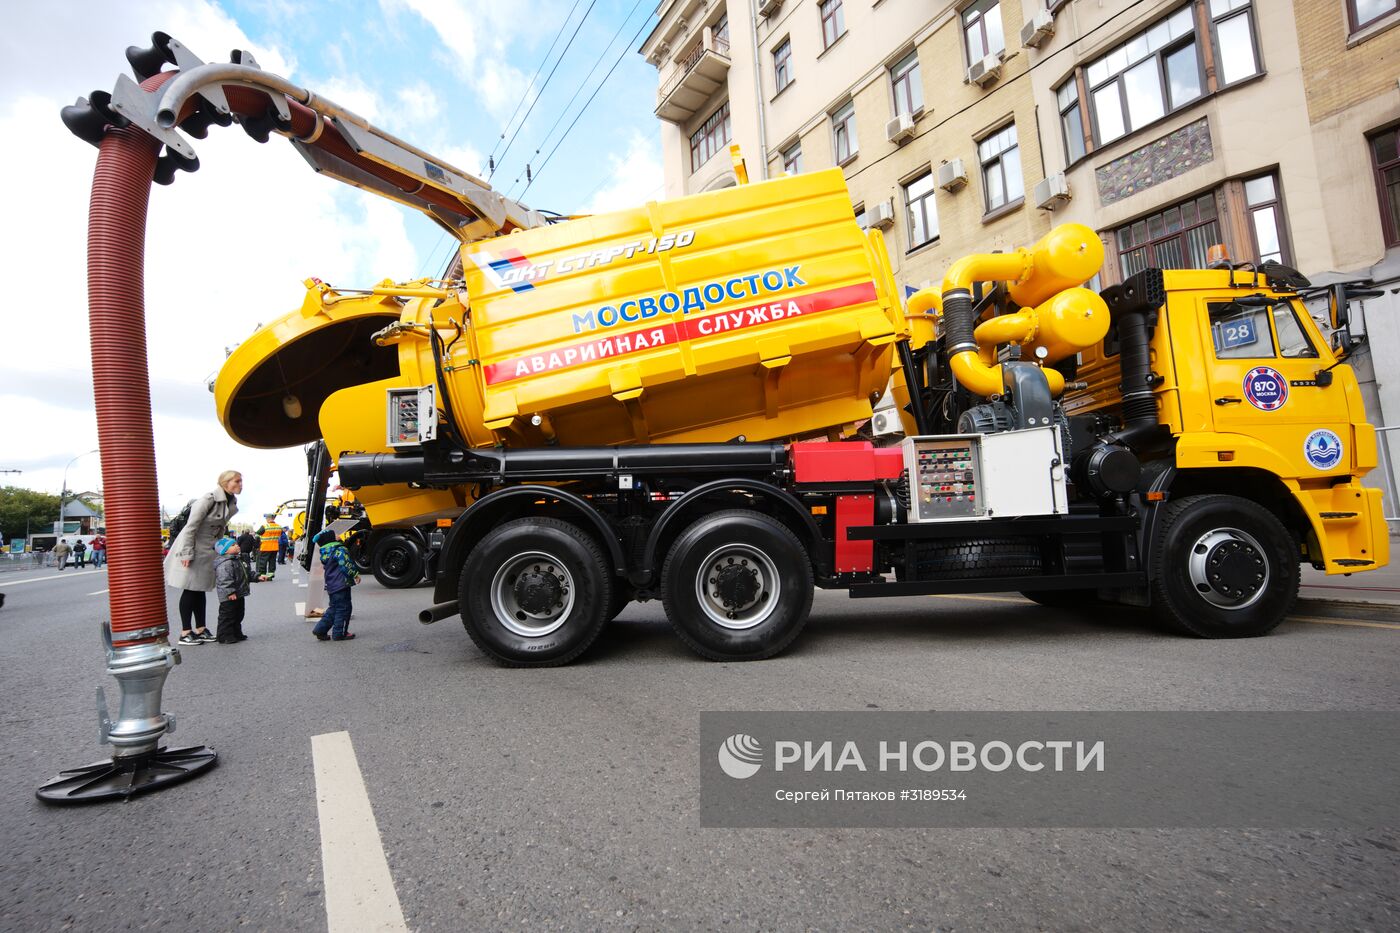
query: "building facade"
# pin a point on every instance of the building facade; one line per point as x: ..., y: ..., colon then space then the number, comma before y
x: 1271, y: 127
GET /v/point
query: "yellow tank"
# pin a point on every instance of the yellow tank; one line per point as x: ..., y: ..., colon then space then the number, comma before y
x: 761, y: 310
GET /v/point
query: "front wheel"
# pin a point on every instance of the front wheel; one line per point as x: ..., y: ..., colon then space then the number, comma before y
x: 1223, y: 567
x: 737, y: 586
x: 535, y: 592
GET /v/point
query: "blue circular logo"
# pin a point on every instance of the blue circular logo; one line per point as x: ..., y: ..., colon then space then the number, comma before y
x: 1323, y: 449
x: 1265, y: 388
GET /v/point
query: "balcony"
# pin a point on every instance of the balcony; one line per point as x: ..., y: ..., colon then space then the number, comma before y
x: 698, y: 76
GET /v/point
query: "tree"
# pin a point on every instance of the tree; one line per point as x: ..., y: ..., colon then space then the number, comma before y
x: 26, y: 508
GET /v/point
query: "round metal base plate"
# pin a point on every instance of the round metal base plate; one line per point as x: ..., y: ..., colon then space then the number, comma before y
x: 120, y: 778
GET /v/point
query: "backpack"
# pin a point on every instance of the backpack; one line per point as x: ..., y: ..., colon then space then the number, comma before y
x: 178, y: 523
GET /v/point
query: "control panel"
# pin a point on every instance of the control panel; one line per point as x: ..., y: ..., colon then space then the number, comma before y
x: 945, y: 477
x: 412, y: 416
x: 983, y: 476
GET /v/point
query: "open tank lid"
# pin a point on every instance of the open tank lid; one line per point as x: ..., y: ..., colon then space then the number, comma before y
x: 270, y: 390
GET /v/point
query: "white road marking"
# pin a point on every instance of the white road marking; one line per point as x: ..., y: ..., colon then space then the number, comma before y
x: 56, y: 575
x: 100, y: 592
x: 301, y: 609
x: 303, y: 585
x: 359, y: 889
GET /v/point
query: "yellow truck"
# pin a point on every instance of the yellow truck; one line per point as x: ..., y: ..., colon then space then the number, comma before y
x: 663, y: 402
x: 675, y: 402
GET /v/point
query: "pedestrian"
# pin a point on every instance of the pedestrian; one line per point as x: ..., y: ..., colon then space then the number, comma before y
x: 231, y: 583
x: 270, y: 536
x: 99, y: 551
x: 247, y: 547
x: 284, y: 544
x: 79, y: 554
x: 61, y: 550
x: 190, y: 564
x: 341, y: 575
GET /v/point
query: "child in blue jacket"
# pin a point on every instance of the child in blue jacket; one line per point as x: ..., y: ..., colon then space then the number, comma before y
x: 340, y: 576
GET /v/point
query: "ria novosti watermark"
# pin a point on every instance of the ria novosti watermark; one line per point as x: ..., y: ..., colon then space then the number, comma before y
x: 1304, y: 769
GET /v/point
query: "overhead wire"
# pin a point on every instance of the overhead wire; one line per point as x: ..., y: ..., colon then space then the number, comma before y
x: 533, y: 78
x: 587, y: 104
x: 584, y: 83
x: 568, y: 45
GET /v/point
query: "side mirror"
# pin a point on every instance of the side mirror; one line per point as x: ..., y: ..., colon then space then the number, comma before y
x: 1338, y: 311
x: 1341, y: 342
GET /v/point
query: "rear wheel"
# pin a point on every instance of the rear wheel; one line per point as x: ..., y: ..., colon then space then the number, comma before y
x: 737, y: 586
x: 1222, y: 567
x: 535, y: 592
x: 398, y: 561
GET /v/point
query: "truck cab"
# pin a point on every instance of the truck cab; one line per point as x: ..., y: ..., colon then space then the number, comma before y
x: 1259, y: 406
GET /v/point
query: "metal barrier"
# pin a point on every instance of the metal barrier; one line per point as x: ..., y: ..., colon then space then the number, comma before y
x: 10, y: 561
x: 1392, y: 495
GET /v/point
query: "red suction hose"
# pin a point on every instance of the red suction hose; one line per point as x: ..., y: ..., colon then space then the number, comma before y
x: 121, y: 189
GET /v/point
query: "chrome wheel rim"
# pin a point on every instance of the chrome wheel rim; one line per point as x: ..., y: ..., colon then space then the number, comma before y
x: 1228, y: 568
x: 737, y: 586
x: 532, y: 594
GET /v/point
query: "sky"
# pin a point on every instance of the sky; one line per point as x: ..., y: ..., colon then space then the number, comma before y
x: 228, y: 246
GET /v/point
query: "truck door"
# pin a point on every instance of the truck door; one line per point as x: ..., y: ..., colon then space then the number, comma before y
x: 1262, y: 365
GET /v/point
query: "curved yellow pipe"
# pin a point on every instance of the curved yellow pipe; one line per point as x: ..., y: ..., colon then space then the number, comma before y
x: 977, y: 376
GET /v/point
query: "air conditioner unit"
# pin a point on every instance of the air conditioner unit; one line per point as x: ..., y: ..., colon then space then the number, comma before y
x: 986, y: 71
x: 886, y: 421
x: 952, y: 175
x: 1037, y: 29
x: 900, y: 128
x: 1052, y: 193
x: 767, y: 8
x: 881, y: 215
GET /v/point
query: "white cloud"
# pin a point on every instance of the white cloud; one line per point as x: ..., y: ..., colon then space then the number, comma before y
x: 635, y: 178
x: 353, y: 94
x: 476, y: 35
x: 226, y: 249
x: 418, y: 103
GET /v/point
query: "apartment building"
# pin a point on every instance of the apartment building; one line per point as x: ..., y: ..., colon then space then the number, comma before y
x: 925, y: 107
x: 1269, y: 126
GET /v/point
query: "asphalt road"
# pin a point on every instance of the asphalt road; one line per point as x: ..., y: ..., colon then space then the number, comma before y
x: 567, y: 798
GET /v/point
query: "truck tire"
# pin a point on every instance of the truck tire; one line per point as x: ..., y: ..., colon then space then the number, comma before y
x: 358, y: 546
x: 737, y: 586
x: 968, y: 559
x: 1222, y: 567
x: 535, y: 592
x: 398, y: 562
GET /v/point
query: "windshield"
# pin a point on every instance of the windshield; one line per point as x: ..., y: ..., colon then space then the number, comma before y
x: 1242, y: 330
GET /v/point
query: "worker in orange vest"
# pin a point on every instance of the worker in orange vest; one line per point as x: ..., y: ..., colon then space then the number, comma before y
x: 269, y: 543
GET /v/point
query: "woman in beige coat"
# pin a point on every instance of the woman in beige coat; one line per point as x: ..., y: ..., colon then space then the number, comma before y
x: 189, y: 567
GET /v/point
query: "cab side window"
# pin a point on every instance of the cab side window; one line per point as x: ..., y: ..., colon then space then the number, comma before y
x: 1292, y: 339
x: 1241, y: 333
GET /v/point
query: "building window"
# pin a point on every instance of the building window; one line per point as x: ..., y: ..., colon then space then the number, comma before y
x: 1176, y: 238
x: 862, y: 218
x: 1365, y: 12
x: 833, y: 21
x: 1071, y: 120
x: 923, y: 213
x: 1143, y: 79
x: 1000, y: 156
x: 1385, y: 155
x: 712, y: 136
x: 720, y: 30
x: 843, y: 133
x: 1235, y: 55
x: 1266, y: 219
x: 982, y: 30
x: 792, y: 158
x: 908, y: 86
x: 782, y: 65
